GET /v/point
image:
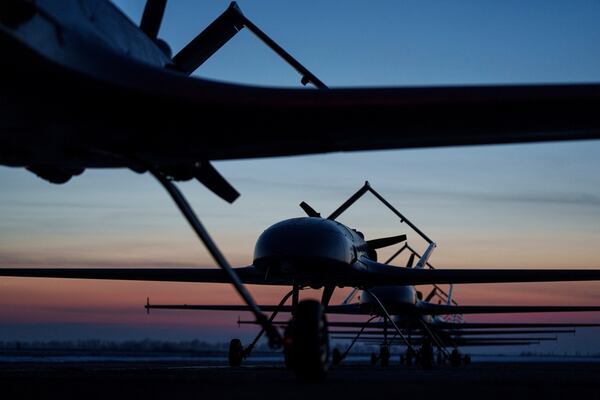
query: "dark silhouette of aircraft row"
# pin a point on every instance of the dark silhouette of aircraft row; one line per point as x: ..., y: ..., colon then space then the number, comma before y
x: 304, y: 249
x: 84, y: 87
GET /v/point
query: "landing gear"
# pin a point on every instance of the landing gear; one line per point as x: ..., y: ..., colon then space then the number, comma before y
x: 236, y: 353
x: 310, y: 341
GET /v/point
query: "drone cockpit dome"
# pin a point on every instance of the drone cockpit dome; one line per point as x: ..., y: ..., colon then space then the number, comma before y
x: 301, y: 241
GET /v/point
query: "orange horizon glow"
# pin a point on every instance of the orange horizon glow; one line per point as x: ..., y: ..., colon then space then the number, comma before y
x: 42, y: 300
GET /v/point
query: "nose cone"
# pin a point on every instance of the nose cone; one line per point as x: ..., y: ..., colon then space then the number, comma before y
x: 302, y: 241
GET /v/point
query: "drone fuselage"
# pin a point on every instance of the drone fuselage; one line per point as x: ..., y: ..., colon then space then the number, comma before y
x: 308, y: 247
x: 390, y: 295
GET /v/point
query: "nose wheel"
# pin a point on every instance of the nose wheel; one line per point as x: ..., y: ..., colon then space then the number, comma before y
x: 236, y: 353
x: 309, y: 341
x: 384, y: 356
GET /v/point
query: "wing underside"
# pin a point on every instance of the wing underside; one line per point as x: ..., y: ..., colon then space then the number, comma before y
x: 165, y: 111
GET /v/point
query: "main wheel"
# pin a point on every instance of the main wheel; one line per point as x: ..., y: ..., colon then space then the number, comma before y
x: 288, y: 346
x: 410, y: 354
x: 310, y: 339
x: 455, y: 358
x: 336, y: 356
x: 374, y: 359
x: 236, y: 353
x: 384, y: 356
x: 426, y: 355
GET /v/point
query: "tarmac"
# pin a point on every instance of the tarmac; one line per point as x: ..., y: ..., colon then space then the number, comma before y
x: 193, y: 380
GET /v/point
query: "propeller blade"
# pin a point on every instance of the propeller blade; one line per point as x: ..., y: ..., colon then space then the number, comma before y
x: 152, y: 17
x: 210, y: 40
x: 214, y: 181
x: 430, y: 295
x: 385, y: 242
x: 411, y: 260
x: 309, y: 210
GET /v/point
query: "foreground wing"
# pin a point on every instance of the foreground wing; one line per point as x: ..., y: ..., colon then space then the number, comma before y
x: 47, y: 74
x: 375, y: 275
x: 247, y: 274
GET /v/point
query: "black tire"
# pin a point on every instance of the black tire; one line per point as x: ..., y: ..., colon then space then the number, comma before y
x: 426, y: 354
x: 288, y: 346
x: 236, y: 353
x: 455, y: 358
x: 310, y: 341
x: 374, y: 359
x: 336, y: 356
x: 409, y: 357
x: 384, y: 355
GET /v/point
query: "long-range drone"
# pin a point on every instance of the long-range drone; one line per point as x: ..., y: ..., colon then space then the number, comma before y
x: 85, y: 87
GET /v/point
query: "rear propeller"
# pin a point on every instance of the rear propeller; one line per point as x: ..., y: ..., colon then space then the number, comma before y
x: 373, y: 243
x: 151, y: 21
x: 431, y: 295
x: 152, y: 17
x: 386, y: 241
x: 411, y: 260
x: 206, y: 174
x: 309, y: 210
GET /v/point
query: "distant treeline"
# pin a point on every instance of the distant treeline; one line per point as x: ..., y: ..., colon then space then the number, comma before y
x: 553, y: 354
x: 145, y: 346
x: 192, y: 347
x: 142, y: 346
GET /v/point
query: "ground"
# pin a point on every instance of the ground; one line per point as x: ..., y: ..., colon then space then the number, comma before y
x: 160, y: 380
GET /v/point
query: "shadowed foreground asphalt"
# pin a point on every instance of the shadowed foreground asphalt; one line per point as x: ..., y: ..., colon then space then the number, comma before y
x: 196, y: 381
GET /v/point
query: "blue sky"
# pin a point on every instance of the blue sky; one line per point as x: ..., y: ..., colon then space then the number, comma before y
x: 535, y: 205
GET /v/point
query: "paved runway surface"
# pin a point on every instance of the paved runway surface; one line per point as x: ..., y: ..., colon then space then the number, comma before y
x: 158, y: 380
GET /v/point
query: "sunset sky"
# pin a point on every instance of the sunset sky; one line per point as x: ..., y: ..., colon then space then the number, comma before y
x: 534, y: 205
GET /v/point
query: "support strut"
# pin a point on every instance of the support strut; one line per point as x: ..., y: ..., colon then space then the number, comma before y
x: 357, y: 336
x: 250, y: 347
x: 220, y: 31
x: 434, y: 337
x: 387, y: 315
x: 327, y: 293
x: 275, y: 339
x: 295, y: 297
x: 385, y: 331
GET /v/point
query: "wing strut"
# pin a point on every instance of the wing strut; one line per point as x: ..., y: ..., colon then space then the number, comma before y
x: 279, y: 308
x: 389, y: 318
x: 356, y: 337
x: 429, y: 332
x: 220, y: 31
x: 275, y: 339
